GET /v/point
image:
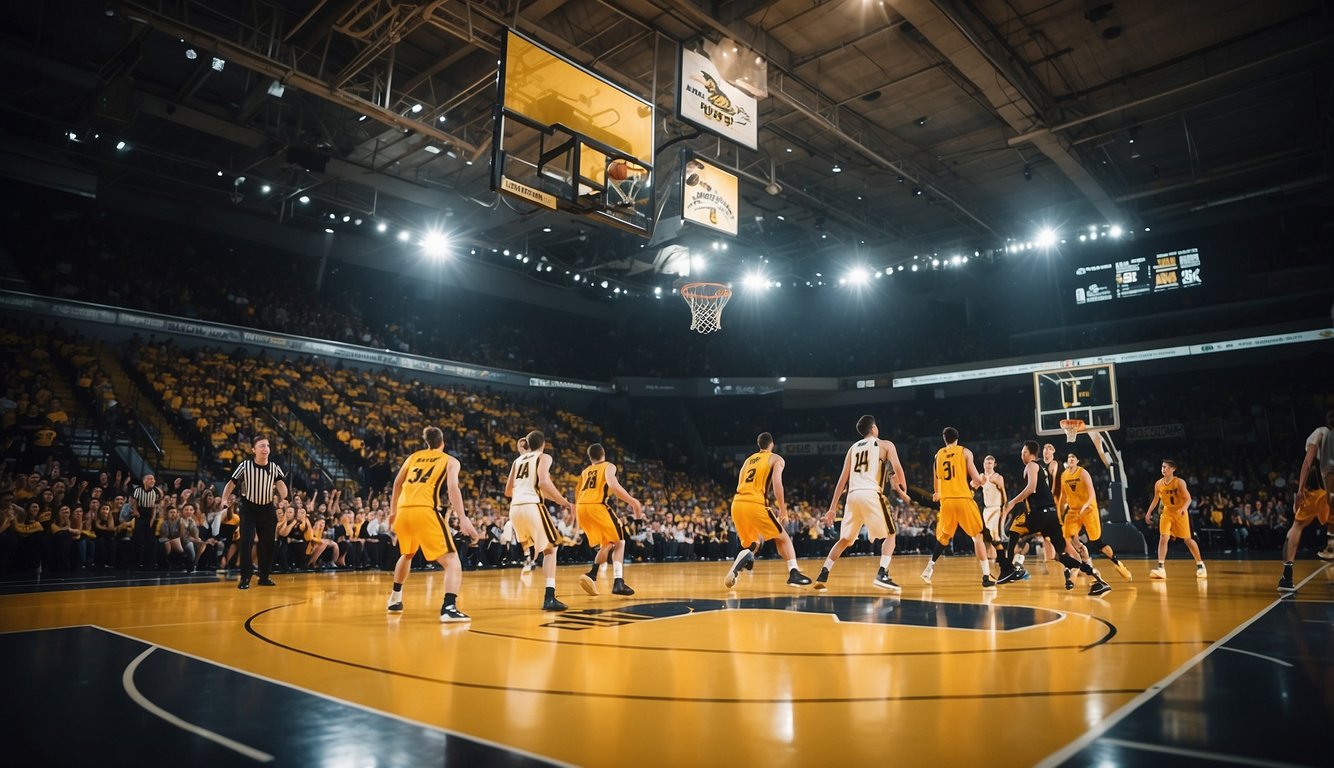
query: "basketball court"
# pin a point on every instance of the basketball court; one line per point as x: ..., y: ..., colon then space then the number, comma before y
x: 315, y: 671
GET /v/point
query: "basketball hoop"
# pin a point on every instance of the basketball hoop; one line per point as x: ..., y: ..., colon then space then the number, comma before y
x: 706, y: 301
x: 1072, y: 428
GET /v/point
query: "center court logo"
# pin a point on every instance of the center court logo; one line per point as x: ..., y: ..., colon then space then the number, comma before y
x: 855, y: 609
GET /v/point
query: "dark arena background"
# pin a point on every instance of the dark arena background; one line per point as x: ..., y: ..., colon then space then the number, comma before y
x: 666, y: 227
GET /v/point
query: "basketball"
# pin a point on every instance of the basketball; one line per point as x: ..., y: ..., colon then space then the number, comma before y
x: 619, y: 170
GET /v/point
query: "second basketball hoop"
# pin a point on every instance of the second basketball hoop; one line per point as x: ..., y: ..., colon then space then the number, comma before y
x: 706, y: 302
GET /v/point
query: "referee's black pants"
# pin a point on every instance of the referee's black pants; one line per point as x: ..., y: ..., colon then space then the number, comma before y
x: 261, y: 518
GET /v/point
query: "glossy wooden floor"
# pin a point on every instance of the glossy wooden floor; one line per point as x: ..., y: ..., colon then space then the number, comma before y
x: 686, y: 673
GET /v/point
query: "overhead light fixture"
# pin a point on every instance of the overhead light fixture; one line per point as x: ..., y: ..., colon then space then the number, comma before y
x: 120, y: 145
x: 546, y: 229
x: 346, y: 218
x: 328, y: 231
x: 218, y: 64
x: 277, y: 89
x: 435, y: 244
x: 416, y: 108
x: 266, y: 189
x: 837, y: 168
x: 404, y: 236
x: 900, y: 179
x: 304, y: 199
x: 190, y: 54
x: 921, y: 121
x: 440, y: 119
x: 361, y: 118
x: 1046, y: 237
x: 917, y: 191
x: 381, y: 227
x: 1028, y: 173
x: 433, y: 149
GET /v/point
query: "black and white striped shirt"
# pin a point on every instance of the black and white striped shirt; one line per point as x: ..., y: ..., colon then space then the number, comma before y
x: 146, y: 498
x: 254, y: 483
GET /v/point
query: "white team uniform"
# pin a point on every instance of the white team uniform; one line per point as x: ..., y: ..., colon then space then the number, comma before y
x: 992, y: 501
x: 866, y: 504
x: 532, y: 523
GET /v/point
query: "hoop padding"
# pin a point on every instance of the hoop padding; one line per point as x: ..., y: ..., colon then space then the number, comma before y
x: 706, y: 302
x: 1072, y: 428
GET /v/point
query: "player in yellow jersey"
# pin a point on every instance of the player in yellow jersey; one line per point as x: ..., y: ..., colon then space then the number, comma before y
x: 952, y: 485
x: 1174, y: 521
x: 753, y: 518
x: 414, y: 515
x: 597, y: 519
x: 1078, y: 505
x: 867, y: 466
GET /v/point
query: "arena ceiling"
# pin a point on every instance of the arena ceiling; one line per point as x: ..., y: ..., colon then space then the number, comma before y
x: 955, y: 125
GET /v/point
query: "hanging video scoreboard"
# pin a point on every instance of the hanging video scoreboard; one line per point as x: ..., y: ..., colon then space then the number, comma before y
x: 1138, y: 276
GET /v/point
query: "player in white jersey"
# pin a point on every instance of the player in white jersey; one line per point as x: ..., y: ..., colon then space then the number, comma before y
x: 993, y: 499
x: 865, y: 468
x: 1312, y: 503
x: 529, y: 482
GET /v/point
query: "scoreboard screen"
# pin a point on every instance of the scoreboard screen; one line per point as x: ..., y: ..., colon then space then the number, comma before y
x: 1138, y: 276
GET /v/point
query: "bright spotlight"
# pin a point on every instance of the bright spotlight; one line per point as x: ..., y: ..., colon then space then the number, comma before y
x: 121, y: 145
x: 1116, y: 231
x: 328, y: 231
x: 346, y: 218
x: 914, y: 267
x: 657, y: 291
x: 381, y: 227
x: 858, y: 276
x: 404, y: 236
x: 604, y: 283
x: 266, y: 189
x: 416, y: 108
x: 218, y: 64
x: 1093, y: 235
x: 1046, y: 237
x: 754, y: 281
x: 956, y: 260
x: 435, y: 244
x: 304, y: 199
x: 1083, y: 238
x: 190, y: 54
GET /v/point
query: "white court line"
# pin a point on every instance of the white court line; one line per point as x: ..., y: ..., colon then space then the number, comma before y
x: 346, y: 702
x: 1218, y: 757
x: 1257, y: 655
x: 1092, y: 734
x: 127, y: 680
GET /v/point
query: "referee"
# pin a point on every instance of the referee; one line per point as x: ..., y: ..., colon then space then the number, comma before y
x: 258, y: 480
x: 144, y: 511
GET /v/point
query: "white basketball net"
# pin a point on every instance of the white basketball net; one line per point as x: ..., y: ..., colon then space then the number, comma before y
x: 1072, y: 428
x: 706, y: 301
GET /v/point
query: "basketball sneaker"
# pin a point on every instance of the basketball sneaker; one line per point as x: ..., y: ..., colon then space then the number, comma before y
x: 1024, y: 575
x: 1014, y: 574
x: 1328, y: 552
x: 552, y: 604
x: 988, y: 582
x: 1158, y: 573
x: 1200, y: 572
x: 590, y: 586
x: 883, y: 581
x: 618, y: 587
x: 798, y: 579
x: 1285, y: 584
x: 395, y: 604
x: 1123, y: 570
x: 744, y: 559
x: 527, y: 566
x: 1069, y: 583
x: 928, y: 572
x: 450, y: 614
x: 1099, y: 587
x: 822, y: 581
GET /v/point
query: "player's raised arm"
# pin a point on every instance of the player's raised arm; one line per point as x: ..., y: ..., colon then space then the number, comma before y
x: 839, y: 487
x: 777, y: 478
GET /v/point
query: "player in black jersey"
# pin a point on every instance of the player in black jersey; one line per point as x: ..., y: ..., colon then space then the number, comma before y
x: 1039, y: 516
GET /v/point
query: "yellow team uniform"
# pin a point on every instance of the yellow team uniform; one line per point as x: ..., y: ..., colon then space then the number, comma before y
x: 957, y: 508
x: 590, y: 507
x: 1073, y: 497
x: 750, y: 506
x: 1313, y: 505
x: 419, y: 524
x: 1172, y: 519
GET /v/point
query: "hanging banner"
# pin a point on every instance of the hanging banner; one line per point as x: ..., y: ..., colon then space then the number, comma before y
x: 706, y: 100
x: 709, y: 196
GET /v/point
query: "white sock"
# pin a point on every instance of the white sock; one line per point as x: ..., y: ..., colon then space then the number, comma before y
x: 1018, y: 559
x: 395, y: 593
x: 1199, y: 563
x: 551, y: 583
x: 931, y: 565
x: 985, y: 565
x: 884, y: 561
x: 618, y: 570
x: 828, y: 564
x: 792, y: 564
